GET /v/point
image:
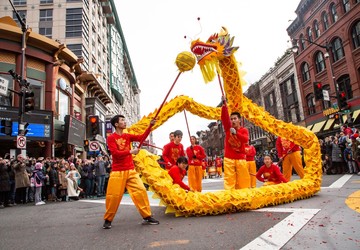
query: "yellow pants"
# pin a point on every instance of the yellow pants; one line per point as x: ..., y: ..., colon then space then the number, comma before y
x: 236, y: 174
x: 195, y: 175
x: 292, y: 160
x: 118, y: 181
x: 219, y: 171
x: 252, y: 171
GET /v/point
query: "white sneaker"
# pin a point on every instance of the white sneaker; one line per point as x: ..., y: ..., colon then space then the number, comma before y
x: 40, y: 203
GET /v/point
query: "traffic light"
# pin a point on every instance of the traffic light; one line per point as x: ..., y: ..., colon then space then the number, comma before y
x: 5, y: 127
x: 337, y: 118
x: 94, y: 125
x: 318, y: 91
x: 343, y: 101
x: 86, y: 145
x: 29, y: 100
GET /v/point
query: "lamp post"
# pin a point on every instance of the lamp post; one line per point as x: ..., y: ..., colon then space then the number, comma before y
x: 327, y: 47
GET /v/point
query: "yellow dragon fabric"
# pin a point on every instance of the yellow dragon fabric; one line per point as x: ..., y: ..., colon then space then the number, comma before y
x: 216, y: 56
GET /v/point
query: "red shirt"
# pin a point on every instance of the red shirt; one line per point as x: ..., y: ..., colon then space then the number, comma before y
x: 284, y: 147
x: 172, y: 152
x: 234, y: 144
x: 199, y: 152
x: 119, y: 146
x: 271, y: 173
x: 177, y: 174
x: 250, y: 152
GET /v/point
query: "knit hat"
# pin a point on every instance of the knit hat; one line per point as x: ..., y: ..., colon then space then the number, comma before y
x: 38, y: 165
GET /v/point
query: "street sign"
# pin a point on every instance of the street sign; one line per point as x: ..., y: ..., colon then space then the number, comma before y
x: 94, y: 146
x: 326, y: 95
x: 345, y: 111
x: 21, y: 142
x: 4, y: 84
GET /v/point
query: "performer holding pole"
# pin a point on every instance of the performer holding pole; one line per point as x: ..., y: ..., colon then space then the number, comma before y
x: 196, y: 154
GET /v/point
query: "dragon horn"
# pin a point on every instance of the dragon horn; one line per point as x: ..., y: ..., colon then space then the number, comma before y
x: 223, y: 31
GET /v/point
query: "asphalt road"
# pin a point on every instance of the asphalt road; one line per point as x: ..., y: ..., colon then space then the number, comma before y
x: 324, y: 221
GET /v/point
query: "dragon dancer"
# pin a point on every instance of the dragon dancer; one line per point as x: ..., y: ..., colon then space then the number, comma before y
x: 124, y: 175
x: 236, y: 173
x: 196, y: 154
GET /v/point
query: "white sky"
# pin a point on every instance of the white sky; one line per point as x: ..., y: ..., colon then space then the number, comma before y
x: 154, y: 33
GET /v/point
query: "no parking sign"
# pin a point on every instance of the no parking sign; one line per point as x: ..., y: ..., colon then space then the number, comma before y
x: 21, y: 141
x: 94, y: 146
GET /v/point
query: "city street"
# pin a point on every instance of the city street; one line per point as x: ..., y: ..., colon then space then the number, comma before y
x: 324, y: 221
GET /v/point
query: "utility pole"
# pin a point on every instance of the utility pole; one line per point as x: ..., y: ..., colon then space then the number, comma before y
x: 24, y: 85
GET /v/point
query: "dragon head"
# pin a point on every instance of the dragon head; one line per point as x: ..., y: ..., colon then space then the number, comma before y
x: 208, y: 54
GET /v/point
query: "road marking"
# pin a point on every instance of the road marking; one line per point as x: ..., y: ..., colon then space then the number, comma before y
x: 277, y: 236
x: 353, y: 201
x: 340, y: 182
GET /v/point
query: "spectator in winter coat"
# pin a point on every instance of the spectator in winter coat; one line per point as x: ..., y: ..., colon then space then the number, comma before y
x: 88, y: 172
x: 22, y: 181
x: 39, y: 179
x: 62, y: 188
x: 100, y: 172
x: 4, y: 183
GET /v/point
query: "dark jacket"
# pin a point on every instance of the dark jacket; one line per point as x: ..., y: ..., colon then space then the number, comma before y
x: 4, y: 178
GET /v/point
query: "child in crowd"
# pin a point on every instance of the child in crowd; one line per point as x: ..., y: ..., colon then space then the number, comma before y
x: 178, y: 171
x: 270, y: 173
x: 39, y: 178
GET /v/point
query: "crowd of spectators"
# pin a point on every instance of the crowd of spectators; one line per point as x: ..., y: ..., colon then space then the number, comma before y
x: 65, y: 179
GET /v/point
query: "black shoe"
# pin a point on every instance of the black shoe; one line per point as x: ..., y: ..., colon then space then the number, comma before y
x: 150, y: 221
x: 107, y: 224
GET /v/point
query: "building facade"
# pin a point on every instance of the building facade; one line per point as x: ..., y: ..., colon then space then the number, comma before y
x: 326, y: 34
x: 105, y: 83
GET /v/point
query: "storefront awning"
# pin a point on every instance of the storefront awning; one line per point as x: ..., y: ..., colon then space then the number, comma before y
x: 329, y: 123
x: 310, y: 126
x: 318, y: 126
x: 344, y: 118
x: 356, y: 114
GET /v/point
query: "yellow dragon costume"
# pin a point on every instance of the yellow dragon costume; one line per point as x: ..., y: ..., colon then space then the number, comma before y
x: 216, y: 56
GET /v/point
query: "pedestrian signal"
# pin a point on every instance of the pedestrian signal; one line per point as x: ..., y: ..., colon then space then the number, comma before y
x: 5, y: 127
x: 94, y: 125
x: 318, y: 91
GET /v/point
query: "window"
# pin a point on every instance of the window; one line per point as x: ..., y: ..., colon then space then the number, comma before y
x: 37, y: 87
x: 355, y: 35
x: 62, y: 105
x: 319, y: 62
x: 346, y: 5
x: 310, y: 101
x: 46, y: 1
x: 19, y: 2
x: 309, y: 34
x: 334, y: 15
x: 325, y: 21
x: 46, y: 32
x: 46, y: 15
x: 316, y: 29
x: 22, y: 14
x: 74, y: 22
x: 305, y: 72
x: 302, y: 42
x: 337, y: 49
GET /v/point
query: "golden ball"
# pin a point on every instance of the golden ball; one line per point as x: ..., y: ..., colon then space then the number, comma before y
x: 185, y: 61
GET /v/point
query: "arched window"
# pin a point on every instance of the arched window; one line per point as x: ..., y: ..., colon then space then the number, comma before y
x: 346, y: 5
x: 345, y: 86
x: 309, y: 34
x: 337, y: 49
x: 310, y: 102
x: 334, y: 16
x: 319, y: 62
x: 325, y: 20
x: 355, y: 34
x: 305, y: 72
x: 302, y: 42
x: 316, y: 29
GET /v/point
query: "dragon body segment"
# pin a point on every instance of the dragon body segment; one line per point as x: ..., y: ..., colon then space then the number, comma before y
x: 216, y: 56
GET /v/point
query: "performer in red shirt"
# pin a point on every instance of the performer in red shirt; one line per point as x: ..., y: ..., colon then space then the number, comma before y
x: 123, y: 174
x: 236, y: 173
x: 218, y: 165
x: 195, y: 154
x: 289, y: 154
x: 178, y: 171
x: 173, y: 150
x: 250, y: 161
x: 270, y: 173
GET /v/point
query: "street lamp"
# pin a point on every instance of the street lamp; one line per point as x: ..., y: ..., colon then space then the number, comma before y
x: 327, y: 47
